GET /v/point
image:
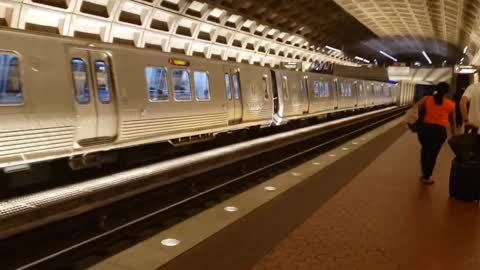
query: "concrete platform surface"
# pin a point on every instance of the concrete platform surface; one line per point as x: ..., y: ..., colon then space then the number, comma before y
x: 386, y: 219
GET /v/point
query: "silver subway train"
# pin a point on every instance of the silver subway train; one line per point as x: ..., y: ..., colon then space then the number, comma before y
x: 64, y: 98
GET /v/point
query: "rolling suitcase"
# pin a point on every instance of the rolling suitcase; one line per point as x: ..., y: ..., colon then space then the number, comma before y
x: 465, y: 180
x: 465, y: 171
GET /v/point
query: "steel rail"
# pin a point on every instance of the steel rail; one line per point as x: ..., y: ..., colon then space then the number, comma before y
x: 31, y: 211
x: 205, y: 192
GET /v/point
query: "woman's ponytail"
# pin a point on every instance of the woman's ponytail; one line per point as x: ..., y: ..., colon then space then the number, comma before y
x: 441, y: 91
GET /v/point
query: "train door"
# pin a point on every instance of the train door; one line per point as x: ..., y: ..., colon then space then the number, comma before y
x: 356, y: 93
x: 359, y: 90
x: 305, y: 98
x: 234, y: 94
x: 336, y: 94
x: 95, y: 97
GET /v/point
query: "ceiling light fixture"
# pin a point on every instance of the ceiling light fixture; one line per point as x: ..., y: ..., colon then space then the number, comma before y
x: 426, y: 57
x: 465, y: 50
x: 389, y: 56
x: 332, y: 48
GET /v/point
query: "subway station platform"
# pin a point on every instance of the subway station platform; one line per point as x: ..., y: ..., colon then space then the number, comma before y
x: 359, y: 206
x: 386, y: 219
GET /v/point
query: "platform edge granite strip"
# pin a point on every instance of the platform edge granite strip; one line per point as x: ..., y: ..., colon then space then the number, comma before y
x: 217, y: 239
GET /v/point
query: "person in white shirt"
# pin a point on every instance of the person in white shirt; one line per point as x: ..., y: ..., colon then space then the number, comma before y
x: 471, y: 116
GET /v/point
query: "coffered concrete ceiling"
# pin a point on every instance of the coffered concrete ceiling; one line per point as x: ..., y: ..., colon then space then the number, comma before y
x: 321, y: 21
x: 403, y: 28
x: 441, y: 27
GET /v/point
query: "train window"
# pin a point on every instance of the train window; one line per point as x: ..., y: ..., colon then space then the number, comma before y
x: 181, y: 85
x: 80, y: 81
x: 10, y: 84
x: 227, y: 86
x: 102, y: 76
x: 326, y: 90
x: 285, y: 87
x: 376, y: 90
x: 157, y: 84
x: 236, y: 85
x: 202, y: 86
x: 303, y: 87
x: 317, y: 89
x: 265, y: 86
x: 347, y: 89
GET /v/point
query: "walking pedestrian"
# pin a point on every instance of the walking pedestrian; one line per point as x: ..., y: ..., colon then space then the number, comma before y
x: 439, y: 115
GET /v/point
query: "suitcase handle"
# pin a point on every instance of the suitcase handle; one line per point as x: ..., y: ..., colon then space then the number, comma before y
x: 469, y: 130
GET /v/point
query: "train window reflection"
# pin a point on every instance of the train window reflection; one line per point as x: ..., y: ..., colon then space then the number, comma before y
x: 10, y: 84
x: 102, y: 76
x: 346, y: 89
x: 326, y: 90
x: 236, y: 85
x: 227, y: 86
x: 304, y: 88
x: 80, y: 80
x: 285, y: 87
x: 181, y: 85
x: 202, y: 86
x: 157, y: 85
x: 265, y: 86
x: 321, y: 89
x: 317, y: 88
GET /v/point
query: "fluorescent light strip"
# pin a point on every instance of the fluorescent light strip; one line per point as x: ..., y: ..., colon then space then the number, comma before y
x: 333, y: 49
x: 389, y: 56
x: 426, y: 56
x: 362, y: 59
x: 465, y: 50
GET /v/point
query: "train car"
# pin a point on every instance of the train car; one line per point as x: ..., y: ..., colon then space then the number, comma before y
x: 65, y: 97
x: 71, y: 98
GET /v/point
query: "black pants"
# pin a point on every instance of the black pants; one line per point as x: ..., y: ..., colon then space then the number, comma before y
x: 431, y: 137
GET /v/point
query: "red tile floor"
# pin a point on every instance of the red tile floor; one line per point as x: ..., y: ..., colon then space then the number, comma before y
x: 386, y: 219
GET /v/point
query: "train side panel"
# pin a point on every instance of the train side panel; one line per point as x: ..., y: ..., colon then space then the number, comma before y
x: 362, y: 100
x: 321, y: 93
x: 39, y: 120
x: 347, y: 94
x: 163, y: 99
x: 290, y: 94
x: 257, y: 95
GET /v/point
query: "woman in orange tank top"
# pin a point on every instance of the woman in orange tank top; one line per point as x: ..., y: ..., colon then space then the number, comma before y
x: 439, y: 115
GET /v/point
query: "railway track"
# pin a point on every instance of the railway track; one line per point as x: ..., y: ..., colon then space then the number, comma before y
x: 89, y: 228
